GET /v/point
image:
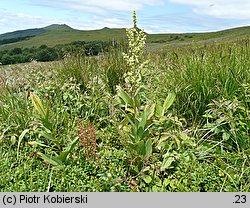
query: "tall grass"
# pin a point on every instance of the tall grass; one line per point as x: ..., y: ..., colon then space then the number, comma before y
x: 199, y: 75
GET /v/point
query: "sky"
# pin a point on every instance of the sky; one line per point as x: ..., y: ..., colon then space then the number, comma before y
x: 154, y: 16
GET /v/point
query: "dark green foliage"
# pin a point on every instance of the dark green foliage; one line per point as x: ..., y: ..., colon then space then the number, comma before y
x: 15, y: 51
x: 45, y: 53
x: 19, y: 55
x: 13, y: 40
x: 20, y: 35
x: 7, y: 59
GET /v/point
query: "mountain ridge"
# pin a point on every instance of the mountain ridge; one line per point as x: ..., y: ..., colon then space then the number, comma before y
x: 54, y: 34
x: 34, y: 31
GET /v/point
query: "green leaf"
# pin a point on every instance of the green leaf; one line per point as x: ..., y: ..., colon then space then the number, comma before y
x: 140, y: 133
x: 38, y: 105
x: 41, y: 110
x: 20, y: 140
x: 132, y: 137
x: 63, y: 155
x: 225, y: 136
x: 155, y: 188
x: 169, y: 101
x: 139, y: 147
x: 130, y: 118
x: 125, y: 121
x: 139, y: 90
x: 137, y: 96
x: 167, y: 163
x: 159, y: 109
x: 143, y: 120
x: 47, y: 135
x: 34, y: 143
x: 125, y: 97
x: 178, y: 143
x: 146, y: 116
x: 148, y: 148
x: 149, y: 111
x: 13, y: 139
x: 52, y: 160
x: 147, y: 179
x: 131, y: 110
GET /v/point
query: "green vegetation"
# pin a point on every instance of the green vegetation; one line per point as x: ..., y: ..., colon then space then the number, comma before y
x: 129, y: 120
x: 19, y: 55
x: 22, y: 33
x: 45, y: 53
x: 13, y: 40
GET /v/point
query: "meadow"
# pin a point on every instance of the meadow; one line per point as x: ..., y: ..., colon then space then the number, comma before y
x: 176, y: 119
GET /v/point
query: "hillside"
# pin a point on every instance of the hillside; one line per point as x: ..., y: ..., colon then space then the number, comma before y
x: 159, y: 41
x: 62, y: 34
x: 22, y: 33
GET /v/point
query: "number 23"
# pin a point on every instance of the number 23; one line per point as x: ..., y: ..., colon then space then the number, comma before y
x: 240, y: 199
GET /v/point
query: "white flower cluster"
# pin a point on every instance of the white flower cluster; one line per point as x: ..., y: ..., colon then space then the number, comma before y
x: 134, y: 57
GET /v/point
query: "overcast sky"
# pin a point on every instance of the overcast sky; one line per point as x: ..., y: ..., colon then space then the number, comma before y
x: 155, y: 16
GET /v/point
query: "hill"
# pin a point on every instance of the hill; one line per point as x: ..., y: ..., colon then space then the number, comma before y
x: 34, y: 32
x: 62, y: 34
x: 22, y: 33
x: 59, y: 34
x: 157, y: 41
x: 62, y: 27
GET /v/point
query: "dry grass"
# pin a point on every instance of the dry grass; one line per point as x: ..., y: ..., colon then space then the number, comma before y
x: 87, y: 137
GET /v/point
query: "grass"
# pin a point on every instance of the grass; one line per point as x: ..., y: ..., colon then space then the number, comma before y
x: 201, y: 143
x: 205, y: 74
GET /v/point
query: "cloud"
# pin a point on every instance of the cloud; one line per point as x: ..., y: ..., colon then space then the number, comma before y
x: 198, y: 16
x: 10, y: 21
x: 97, y: 22
x: 99, y: 6
x: 16, y: 21
x: 180, y: 23
x: 79, y: 14
x: 224, y: 9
